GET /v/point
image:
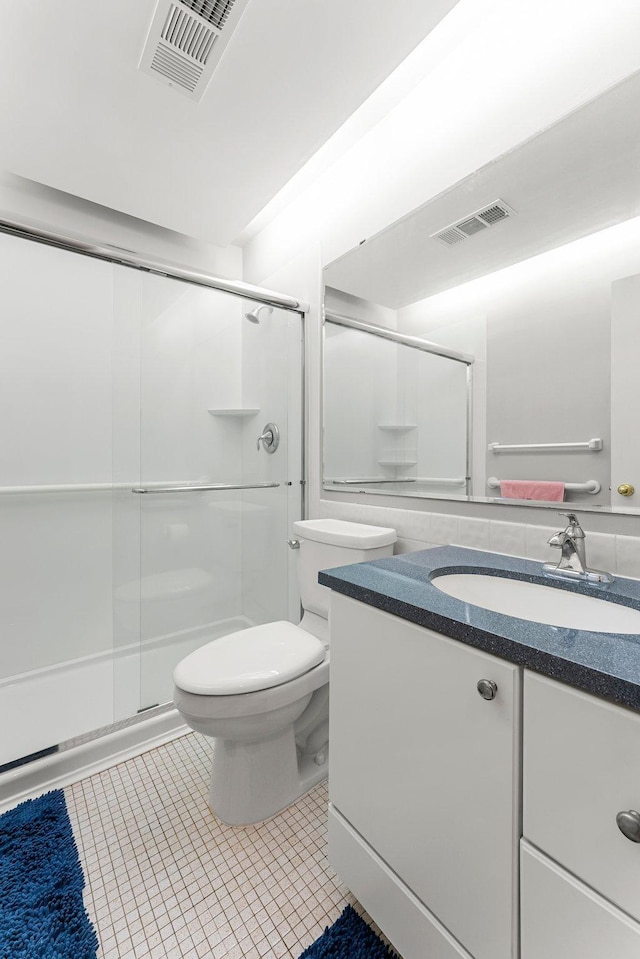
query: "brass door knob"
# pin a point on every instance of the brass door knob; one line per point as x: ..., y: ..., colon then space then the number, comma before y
x: 626, y: 489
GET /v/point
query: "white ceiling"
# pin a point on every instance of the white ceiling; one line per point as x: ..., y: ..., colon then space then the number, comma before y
x: 77, y: 114
x: 579, y: 176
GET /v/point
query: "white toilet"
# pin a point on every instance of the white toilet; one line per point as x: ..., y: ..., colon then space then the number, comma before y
x: 262, y: 693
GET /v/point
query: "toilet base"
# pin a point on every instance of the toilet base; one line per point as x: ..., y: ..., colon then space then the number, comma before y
x: 252, y: 781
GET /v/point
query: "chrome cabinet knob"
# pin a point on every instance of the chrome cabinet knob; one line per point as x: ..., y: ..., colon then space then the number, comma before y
x: 629, y: 824
x: 487, y: 688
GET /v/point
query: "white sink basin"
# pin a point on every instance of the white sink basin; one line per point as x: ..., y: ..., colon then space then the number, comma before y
x: 538, y: 603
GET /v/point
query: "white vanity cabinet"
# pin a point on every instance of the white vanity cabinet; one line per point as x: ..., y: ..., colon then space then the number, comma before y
x: 424, y: 784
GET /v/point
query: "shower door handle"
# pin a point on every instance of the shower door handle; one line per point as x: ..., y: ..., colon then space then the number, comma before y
x: 203, y: 489
x: 270, y: 438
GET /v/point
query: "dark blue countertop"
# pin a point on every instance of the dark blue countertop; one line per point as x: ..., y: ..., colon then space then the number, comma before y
x: 606, y: 664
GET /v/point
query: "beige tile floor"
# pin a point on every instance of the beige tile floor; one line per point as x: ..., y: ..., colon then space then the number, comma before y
x: 166, y: 880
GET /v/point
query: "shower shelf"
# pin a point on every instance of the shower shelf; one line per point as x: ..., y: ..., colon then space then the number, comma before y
x: 240, y: 411
x: 398, y: 462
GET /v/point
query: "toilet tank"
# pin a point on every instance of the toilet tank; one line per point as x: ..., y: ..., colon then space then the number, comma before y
x: 325, y: 543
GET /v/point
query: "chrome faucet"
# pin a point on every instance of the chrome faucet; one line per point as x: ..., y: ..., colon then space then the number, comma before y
x: 573, y: 562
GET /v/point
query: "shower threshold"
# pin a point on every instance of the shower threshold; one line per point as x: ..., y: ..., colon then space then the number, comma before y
x: 67, y: 702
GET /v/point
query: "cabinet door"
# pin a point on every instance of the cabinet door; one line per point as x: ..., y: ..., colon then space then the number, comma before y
x: 564, y: 919
x: 426, y: 770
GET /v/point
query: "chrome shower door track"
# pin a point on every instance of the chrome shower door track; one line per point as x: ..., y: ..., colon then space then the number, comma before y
x: 122, y: 257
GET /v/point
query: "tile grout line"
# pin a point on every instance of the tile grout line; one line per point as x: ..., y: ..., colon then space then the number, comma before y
x: 166, y: 880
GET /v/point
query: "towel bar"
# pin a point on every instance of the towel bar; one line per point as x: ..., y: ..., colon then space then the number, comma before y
x: 591, y: 486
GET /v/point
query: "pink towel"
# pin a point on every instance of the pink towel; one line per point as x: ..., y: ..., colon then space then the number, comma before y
x: 532, y: 489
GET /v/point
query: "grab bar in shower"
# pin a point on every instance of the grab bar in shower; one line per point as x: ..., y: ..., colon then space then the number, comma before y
x: 201, y: 489
x: 594, y: 444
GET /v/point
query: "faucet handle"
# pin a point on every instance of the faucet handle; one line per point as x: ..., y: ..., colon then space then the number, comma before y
x: 573, y: 529
x: 573, y: 524
x: 270, y: 438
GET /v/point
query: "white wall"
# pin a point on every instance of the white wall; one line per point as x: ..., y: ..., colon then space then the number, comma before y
x: 462, y: 114
x: 34, y: 203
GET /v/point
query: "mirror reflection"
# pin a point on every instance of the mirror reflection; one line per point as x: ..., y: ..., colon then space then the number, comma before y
x: 401, y: 423
x: 531, y: 269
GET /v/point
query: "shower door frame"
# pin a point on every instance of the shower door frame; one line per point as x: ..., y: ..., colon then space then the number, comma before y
x: 163, y: 726
x: 139, y: 261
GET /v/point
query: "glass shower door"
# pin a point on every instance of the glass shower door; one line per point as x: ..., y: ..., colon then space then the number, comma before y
x: 56, y: 674
x: 217, y: 505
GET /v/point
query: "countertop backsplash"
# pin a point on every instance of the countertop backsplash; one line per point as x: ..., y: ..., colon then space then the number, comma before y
x: 421, y: 530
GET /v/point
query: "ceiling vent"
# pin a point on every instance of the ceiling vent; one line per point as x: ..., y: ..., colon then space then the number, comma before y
x: 186, y: 40
x: 476, y: 222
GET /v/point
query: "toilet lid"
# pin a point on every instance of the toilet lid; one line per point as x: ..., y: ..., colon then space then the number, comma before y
x: 248, y: 660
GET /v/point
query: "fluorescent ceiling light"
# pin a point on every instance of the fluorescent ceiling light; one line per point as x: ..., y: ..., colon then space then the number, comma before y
x: 463, y: 18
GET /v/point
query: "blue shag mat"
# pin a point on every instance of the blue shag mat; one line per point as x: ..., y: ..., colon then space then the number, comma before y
x: 348, y: 938
x: 42, y: 914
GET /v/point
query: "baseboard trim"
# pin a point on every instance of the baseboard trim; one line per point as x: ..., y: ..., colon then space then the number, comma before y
x: 69, y: 766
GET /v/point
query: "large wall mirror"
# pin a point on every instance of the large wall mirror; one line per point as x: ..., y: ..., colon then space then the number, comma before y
x: 487, y: 346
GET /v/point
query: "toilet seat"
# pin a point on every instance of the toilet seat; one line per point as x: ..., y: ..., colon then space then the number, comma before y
x: 252, y: 659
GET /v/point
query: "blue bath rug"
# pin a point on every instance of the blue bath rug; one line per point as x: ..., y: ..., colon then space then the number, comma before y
x: 42, y: 915
x: 348, y: 938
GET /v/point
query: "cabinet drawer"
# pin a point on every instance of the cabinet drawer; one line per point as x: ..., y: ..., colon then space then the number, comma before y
x: 581, y: 768
x: 561, y: 918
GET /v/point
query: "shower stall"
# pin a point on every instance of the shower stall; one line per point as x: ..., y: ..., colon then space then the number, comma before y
x: 140, y: 515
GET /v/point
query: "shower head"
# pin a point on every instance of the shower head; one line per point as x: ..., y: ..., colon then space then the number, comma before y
x: 254, y: 315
